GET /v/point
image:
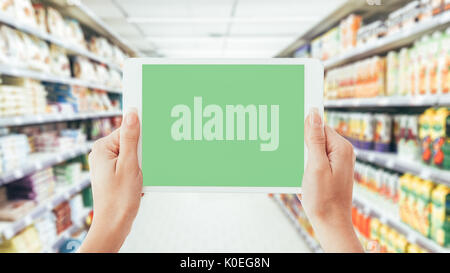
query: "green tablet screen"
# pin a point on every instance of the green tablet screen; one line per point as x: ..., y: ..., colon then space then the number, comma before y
x: 222, y: 125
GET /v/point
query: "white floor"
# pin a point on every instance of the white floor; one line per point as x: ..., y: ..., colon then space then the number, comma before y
x: 207, y: 222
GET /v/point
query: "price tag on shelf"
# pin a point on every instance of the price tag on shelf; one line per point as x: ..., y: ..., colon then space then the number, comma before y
x: 18, y: 174
x: 390, y: 163
x: 67, y: 195
x: 18, y: 120
x: 383, y: 102
x: 8, y: 233
x: 371, y: 157
x: 356, y: 102
x: 425, y: 173
x: 28, y: 220
x: 59, y: 158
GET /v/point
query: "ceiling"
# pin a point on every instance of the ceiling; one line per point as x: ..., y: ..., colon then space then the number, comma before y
x: 211, y: 28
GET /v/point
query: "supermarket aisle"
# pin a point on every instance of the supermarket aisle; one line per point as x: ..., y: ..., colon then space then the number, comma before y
x: 187, y: 222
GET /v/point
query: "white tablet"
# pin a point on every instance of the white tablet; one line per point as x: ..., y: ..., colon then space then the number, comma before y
x: 222, y: 125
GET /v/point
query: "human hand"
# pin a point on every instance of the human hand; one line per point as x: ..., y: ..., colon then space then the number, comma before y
x: 327, y: 186
x: 116, y: 186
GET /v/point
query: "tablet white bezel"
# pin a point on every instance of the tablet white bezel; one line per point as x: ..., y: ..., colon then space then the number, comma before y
x: 132, y: 97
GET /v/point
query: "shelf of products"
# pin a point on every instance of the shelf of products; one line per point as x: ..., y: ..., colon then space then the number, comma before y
x: 44, y: 35
x: 80, y: 12
x: 403, y: 142
x: 394, y: 162
x: 396, y: 40
x: 388, y: 218
x: 418, y: 206
x: 61, y: 88
x: 335, y: 18
x: 38, y: 161
x: 309, y: 240
x: 27, y: 73
x: 8, y: 230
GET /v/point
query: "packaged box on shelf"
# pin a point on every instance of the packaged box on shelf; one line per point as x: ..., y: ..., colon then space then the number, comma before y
x: 425, y: 207
x: 63, y: 218
x: 440, y: 215
x: 380, y: 132
x: 45, y: 226
x: 13, y: 210
x: 382, y: 182
x: 68, y: 173
x: 87, y: 197
x: 14, y: 150
x: 59, y: 62
x: 433, y: 137
x: 25, y: 241
x: 38, y: 186
x: 381, y: 237
x: 76, y: 208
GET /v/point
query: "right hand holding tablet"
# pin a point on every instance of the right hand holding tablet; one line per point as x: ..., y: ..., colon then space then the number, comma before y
x: 327, y: 186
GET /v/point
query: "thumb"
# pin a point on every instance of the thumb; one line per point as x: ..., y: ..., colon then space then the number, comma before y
x: 129, y: 137
x: 315, y: 139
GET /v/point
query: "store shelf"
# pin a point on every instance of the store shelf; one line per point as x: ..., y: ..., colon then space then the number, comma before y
x: 28, y: 73
x: 392, y: 219
x: 77, y: 226
x: 38, y: 161
x: 72, y: 49
x: 400, y: 39
x: 310, y: 242
x: 405, y: 101
x: 48, y: 118
x: 394, y: 162
x: 360, y: 7
x: 79, y: 11
x: 8, y: 230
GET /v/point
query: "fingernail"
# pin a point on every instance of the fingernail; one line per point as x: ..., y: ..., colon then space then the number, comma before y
x: 315, y: 118
x: 131, y: 117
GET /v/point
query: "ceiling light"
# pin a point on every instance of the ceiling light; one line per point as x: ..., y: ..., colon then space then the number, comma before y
x: 184, y: 20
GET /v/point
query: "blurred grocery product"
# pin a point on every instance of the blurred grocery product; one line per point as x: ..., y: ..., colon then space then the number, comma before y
x: 14, y: 150
x: 27, y: 241
x: 38, y: 187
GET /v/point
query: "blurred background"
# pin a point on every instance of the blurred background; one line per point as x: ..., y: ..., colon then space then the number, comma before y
x: 386, y: 90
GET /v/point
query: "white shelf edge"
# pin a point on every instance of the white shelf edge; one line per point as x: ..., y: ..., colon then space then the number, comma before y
x: 57, y: 41
x: 46, y: 118
x: 44, y: 160
x: 28, y: 73
x: 394, y: 162
x: 371, y: 49
x: 386, y: 101
x: 412, y: 235
x: 310, y: 242
x: 86, y: 10
x: 14, y: 227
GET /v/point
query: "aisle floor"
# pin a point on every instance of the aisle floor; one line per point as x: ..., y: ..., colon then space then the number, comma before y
x: 206, y: 222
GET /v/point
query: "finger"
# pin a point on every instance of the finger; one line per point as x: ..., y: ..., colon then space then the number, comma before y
x: 129, y: 137
x: 299, y: 196
x: 106, y: 147
x: 339, y: 150
x: 315, y: 139
x: 112, y: 142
